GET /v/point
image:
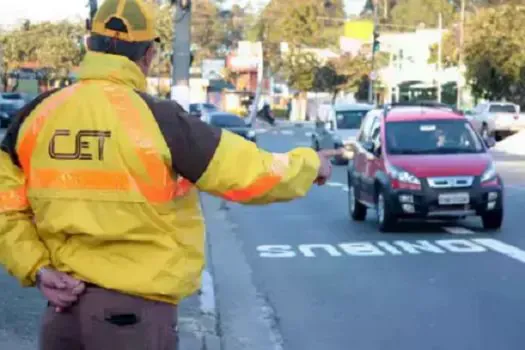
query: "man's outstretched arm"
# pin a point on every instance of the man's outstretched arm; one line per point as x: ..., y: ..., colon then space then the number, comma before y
x: 226, y: 165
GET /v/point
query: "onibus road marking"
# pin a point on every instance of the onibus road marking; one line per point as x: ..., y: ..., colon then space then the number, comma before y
x: 395, y: 248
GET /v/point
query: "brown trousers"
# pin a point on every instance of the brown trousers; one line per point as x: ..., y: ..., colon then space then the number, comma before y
x: 107, y: 320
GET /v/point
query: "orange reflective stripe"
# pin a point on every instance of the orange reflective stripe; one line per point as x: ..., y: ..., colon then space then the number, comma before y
x: 28, y: 142
x: 257, y: 189
x: 82, y: 179
x: 15, y: 199
x: 161, y: 187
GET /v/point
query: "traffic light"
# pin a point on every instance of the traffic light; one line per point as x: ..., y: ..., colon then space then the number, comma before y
x: 376, y: 44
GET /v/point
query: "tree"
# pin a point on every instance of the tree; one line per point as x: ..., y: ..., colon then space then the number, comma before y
x: 450, y: 50
x: 207, y: 31
x: 54, y: 46
x: 162, y: 65
x: 411, y: 13
x: 298, y: 69
x: 495, y: 53
x: 300, y: 23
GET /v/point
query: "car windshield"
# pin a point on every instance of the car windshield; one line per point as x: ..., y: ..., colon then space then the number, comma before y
x: 350, y: 119
x: 432, y: 137
x: 503, y: 108
x: 227, y: 120
x: 209, y: 107
x: 12, y: 97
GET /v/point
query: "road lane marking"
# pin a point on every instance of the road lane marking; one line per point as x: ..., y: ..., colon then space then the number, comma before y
x: 334, y: 184
x: 502, y: 248
x: 287, y: 132
x: 380, y: 248
x: 308, y: 134
x: 458, y: 230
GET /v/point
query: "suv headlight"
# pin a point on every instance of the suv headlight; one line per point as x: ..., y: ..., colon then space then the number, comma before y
x: 251, y: 134
x: 402, y: 175
x: 490, y: 173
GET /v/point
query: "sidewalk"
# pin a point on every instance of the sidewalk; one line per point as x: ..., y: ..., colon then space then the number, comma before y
x: 197, y: 323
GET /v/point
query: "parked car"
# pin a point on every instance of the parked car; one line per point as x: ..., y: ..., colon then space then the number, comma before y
x: 423, y: 163
x: 198, y: 109
x: 497, y: 119
x: 17, y: 99
x: 231, y: 122
x: 338, y: 128
x: 10, y: 104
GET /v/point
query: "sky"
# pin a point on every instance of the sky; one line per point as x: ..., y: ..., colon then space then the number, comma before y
x: 51, y: 10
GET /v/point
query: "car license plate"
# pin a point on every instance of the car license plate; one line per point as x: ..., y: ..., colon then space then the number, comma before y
x: 454, y: 198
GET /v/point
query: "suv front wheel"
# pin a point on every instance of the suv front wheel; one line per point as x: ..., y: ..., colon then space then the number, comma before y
x: 385, y: 217
x: 492, y: 220
x: 356, y: 209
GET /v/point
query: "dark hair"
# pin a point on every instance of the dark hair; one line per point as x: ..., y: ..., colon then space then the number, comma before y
x: 104, y: 44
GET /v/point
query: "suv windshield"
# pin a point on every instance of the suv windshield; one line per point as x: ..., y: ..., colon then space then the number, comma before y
x: 227, y: 120
x: 504, y: 108
x: 432, y: 137
x: 350, y: 119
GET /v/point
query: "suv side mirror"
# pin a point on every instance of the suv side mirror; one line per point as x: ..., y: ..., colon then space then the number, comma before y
x: 490, y: 142
x: 369, y: 146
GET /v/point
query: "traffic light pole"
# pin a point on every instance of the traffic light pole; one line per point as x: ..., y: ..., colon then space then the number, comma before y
x: 93, y: 6
x: 180, y: 90
x: 372, y: 77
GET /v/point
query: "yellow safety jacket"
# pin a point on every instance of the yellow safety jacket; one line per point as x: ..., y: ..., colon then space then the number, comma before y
x: 101, y: 181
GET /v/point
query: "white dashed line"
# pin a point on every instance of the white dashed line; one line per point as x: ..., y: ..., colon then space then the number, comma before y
x: 287, y: 132
x: 502, y: 248
x: 458, y: 230
x: 515, y: 187
x: 308, y: 134
x: 334, y: 184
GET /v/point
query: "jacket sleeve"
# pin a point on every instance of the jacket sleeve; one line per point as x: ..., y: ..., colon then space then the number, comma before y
x: 226, y: 165
x: 241, y: 172
x: 21, y: 251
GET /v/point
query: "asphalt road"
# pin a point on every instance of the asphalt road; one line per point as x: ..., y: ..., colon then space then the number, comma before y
x: 329, y: 283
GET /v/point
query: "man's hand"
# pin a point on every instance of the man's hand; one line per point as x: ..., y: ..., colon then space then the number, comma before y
x: 60, y: 289
x: 325, y: 170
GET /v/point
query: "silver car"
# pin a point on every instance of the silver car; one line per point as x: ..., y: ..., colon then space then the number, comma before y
x: 339, y: 128
x: 497, y: 119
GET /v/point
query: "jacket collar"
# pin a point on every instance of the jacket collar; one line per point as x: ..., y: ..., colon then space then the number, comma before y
x: 117, y: 69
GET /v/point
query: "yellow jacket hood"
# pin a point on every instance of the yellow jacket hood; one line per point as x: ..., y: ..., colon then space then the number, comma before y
x: 117, y: 69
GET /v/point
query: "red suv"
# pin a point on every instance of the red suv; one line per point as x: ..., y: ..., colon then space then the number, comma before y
x: 420, y: 162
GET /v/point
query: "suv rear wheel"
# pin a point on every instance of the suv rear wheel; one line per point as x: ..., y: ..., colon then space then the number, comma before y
x: 492, y: 220
x: 356, y: 209
x: 385, y: 218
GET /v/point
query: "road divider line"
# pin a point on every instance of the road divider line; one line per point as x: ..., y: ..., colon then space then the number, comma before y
x: 287, y: 132
x: 334, y: 184
x: 456, y: 230
x: 502, y: 248
x: 308, y: 134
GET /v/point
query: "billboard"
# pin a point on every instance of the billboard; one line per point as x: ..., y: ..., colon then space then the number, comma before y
x: 361, y: 30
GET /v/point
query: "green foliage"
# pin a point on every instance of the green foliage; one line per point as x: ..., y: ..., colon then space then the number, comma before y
x: 450, y: 50
x: 298, y: 69
x: 56, y: 46
x: 495, y: 53
x: 411, y: 13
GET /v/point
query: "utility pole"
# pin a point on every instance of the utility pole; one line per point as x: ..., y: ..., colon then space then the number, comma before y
x: 440, y: 56
x: 180, y: 90
x: 461, y: 54
x: 93, y: 6
x: 372, y: 78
